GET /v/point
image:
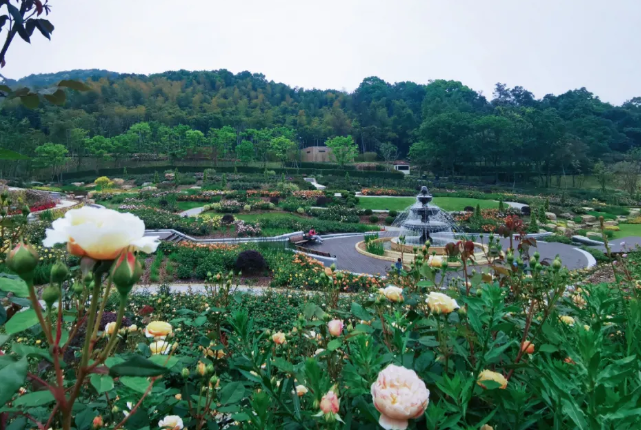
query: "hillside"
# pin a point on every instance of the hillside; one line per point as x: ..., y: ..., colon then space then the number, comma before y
x: 46, y: 79
x: 444, y: 125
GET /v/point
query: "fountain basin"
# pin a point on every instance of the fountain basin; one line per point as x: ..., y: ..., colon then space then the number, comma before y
x: 408, y: 252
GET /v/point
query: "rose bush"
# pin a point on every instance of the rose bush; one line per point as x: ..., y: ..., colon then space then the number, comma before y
x: 422, y: 353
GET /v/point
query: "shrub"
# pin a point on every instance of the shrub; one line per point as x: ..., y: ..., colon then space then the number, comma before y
x: 274, y: 200
x: 250, y: 262
x: 367, y: 212
x: 526, y: 211
x: 577, y: 219
x: 322, y: 201
x: 468, y: 209
x: 373, y: 219
x: 247, y: 208
x: 301, y: 211
x: 389, y: 220
x: 393, y: 213
x: 227, y: 219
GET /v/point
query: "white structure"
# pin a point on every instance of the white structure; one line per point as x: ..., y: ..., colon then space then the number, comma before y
x: 403, y: 167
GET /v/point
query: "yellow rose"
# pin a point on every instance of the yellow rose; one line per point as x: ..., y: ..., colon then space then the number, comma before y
x: 393, y: 294
x: 488, y: 375
x: 567, y: 320
x: 109, y: 328
x: 435, y: 261
x: 158, y: 329
x: 440, y: 303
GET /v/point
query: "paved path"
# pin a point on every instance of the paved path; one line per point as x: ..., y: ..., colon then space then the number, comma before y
x: 622, y: 245
x: 192, y: 212
x: 347, y: 258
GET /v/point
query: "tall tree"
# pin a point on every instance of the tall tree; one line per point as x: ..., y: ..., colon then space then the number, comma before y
x: 343, y: 149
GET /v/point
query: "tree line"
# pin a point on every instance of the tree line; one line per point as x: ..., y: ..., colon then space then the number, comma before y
x: 443, y: 126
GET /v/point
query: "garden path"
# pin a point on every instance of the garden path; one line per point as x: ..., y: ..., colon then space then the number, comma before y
x: 347, y: 258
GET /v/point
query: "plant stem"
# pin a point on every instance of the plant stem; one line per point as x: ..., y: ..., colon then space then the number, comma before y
x: 36, y: 307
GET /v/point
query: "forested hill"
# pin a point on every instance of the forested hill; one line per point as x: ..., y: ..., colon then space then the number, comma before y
x: 47, y: 79
x: 451, y: 125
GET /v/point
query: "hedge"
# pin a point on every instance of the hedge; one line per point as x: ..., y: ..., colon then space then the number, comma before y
x: 115, y: 172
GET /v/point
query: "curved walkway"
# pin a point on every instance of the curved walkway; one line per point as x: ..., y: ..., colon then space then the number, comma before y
x: 347, y: 258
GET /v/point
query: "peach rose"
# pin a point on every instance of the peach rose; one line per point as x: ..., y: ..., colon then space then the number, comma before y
x: 435, y: 261
x: 279, y: 338
x: 171, y: 422
x: 399, y: 395
x: 101, y: 234
x: 527, y: 347
x: 440, y: 303
x: 335, y: 327
x: 301, y: 390
x: 488, y: 375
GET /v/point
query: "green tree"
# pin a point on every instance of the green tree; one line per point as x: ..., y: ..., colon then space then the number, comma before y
x: 603, y: 174
x: 245, y: 152
x: 51, y: 155
x: 283, y: 148
x: 388, y: 151
x: 343, y: 149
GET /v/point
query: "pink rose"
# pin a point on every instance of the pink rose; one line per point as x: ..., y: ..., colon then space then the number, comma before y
x: 335, y: 327
x: 329, y: 403
x: 399, y: 395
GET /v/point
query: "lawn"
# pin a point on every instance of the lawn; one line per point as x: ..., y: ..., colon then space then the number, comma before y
x: 628, y: 230
x: 445, y: 203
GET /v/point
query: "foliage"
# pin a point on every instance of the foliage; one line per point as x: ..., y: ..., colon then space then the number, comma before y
x: 343, y: 148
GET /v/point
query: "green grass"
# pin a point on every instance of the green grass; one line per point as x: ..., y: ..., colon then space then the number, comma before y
x: 627, y: 230
x: 445, y: 203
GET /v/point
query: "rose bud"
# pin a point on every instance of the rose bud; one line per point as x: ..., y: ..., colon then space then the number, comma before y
x: 22, y: 259
x: 126, y: 272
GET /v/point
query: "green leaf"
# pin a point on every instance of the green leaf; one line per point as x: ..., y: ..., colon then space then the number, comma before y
x: 3, y: 315
x: 4, y: 338
x: 494, y: 353
x: 45, y: 27
x: 548, y: 348
x: 39, y: 398
x: 13, y: 285
x: 12, y: 377
x: 138, y: 366
x: 575, y: 414
x: 284, y: 365
x: 102, y: 383
x: 359, y: 312
x: 334, y: 345
x: 232, y: 393
x: 74, y: 85
x: 200, y: 321
x: 429, y: 341
x: 57, y: 98
x: 21, y: 321
x: 30, y: 351
x: 136, y: 383
x: 30, y: 101
x: 15, y: 13
x: 160, y: 360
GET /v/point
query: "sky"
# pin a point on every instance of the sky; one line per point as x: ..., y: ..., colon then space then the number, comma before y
x: 545, y: 46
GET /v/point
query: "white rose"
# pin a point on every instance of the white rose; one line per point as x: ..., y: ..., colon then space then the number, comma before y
x: 172, y: 422
x: 441, y: 303
x: 101, y: 234
x: 399, y: 395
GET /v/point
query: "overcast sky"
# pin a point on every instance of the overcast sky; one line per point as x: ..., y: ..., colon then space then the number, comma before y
x: 546, y: 46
